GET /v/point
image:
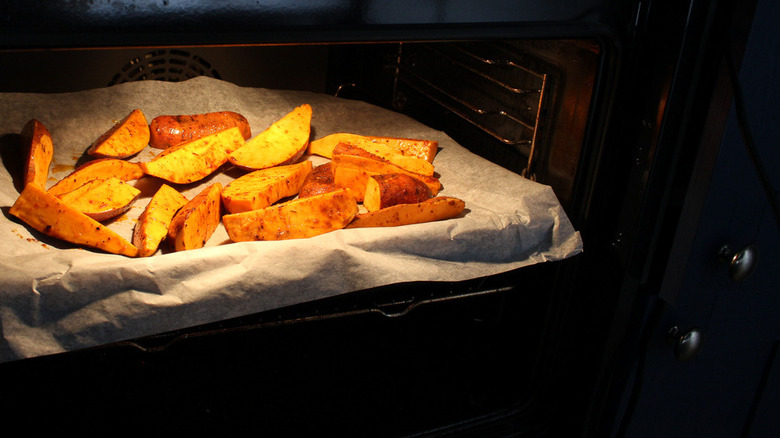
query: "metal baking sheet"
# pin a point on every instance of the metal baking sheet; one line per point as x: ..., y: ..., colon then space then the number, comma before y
x: 55, y: 297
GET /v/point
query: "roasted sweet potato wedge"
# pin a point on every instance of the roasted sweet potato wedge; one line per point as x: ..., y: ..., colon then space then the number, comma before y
x: 262, y: 188
x: 49, y: 215
x: 152, y: 225
x: 433, y: 209
x: 125, y: 139
x: 102, y: 199
x: 296, y: 219
x: 284, y: 142
x: 40, y: 149
x: 423, y: 149
x: 193, y: 224
x: 97, y: 169
x: 170, y: 130
x: 390, y: 189
x: 192, y: 161
x: 383, y: 150
x: 319, y: 181
x: 352, y: 171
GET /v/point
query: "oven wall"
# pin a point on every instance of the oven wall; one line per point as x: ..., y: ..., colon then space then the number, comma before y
x: 292, y: 67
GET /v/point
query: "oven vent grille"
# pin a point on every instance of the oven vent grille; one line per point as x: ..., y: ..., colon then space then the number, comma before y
x: 486, y: 85
x: 171, y: 65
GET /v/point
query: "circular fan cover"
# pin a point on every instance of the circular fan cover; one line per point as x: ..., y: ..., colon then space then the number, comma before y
x: 172, y: 65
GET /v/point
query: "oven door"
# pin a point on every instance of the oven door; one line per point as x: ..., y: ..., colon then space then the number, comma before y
x: 711, y: 362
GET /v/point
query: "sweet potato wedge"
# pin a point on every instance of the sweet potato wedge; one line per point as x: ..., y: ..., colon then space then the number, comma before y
x: 352, y: 171
x: 284, y: 142
x: 170, y: 130
x: 192, y: 161
x: 125, y: 139
x: 295, y: 219
x: 195, y: 222
x: 40, y: 149
x: 262, y: 188
x: 378, y: 149
x: 433, y: 209
x: 49, y: 215
x: 423, y: 149
x: 97, y: 169
x: 390, y: 189
x: 152, y: 225
x: 319, y: 181
x: 102, y: 199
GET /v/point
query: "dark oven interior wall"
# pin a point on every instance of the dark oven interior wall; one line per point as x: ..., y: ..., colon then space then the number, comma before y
x: 296, y: 67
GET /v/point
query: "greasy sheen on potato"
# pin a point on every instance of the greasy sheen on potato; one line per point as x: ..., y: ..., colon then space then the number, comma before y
x: 410, y: 147
x: 170, y: 130
x: 284, y: 142
x: 152, y: 225
x: 433, y: 209
x: 381, y: 151
x: 49, y: 215
x: 353, y: 167
x: 97, y: 169
x: 296, y: 219
x: 125, y: 139
x: 196, y: 221
x: 319, y: 181
x: 102, y: 199
x: 262, y: 188
x: 192, y: 161
x: 394, y: 188
x: 40, y: 150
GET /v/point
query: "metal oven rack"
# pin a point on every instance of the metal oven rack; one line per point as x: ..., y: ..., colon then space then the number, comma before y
x: 489, y: 86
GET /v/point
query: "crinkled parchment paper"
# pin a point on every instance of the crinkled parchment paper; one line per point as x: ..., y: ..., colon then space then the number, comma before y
x: 55, y: 297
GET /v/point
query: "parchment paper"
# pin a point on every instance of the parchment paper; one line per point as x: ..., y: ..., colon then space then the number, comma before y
x: 56, y: 297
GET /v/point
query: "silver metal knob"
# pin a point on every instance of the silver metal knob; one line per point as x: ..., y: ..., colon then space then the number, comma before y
x: 742, y: 263
x: 687, y: 345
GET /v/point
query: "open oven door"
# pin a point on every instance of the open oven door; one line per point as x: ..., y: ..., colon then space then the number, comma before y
x: 711, y: 365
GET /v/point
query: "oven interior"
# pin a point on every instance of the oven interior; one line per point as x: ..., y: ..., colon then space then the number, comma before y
x: 523, y: 104
x: 487, y: 357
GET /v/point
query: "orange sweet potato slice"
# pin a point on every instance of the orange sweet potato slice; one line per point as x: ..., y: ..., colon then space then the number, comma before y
x: 262, y: 188
x: 284, y: 142
x: 352, y: 171
x: 125, y: 139
x: 97, y: 169
x: 433, y: 209
x: 380, y: 150
x: 410, y: 147
x: 102, y: 199
x: 153, y: 224
x: 296, y: 219
x: 49, y: 215
x: 394, y: 188
x: 40, y: 149
x: 195, y: 222
x: 169, y: 130
x: 194, y: 160
x: 319, y: 181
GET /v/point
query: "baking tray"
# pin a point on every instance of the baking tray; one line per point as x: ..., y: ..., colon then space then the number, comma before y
x: 56, y: 297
